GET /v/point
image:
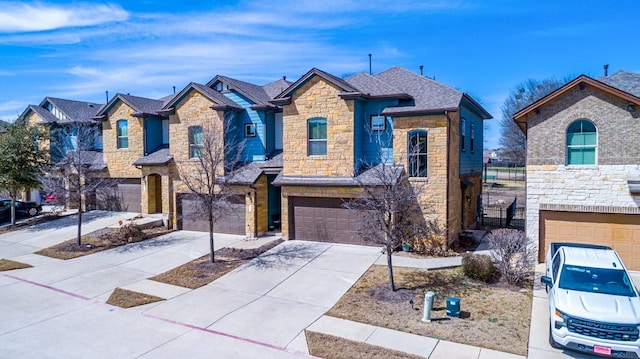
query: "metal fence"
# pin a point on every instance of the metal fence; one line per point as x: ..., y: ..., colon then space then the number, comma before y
x: 509, y: 216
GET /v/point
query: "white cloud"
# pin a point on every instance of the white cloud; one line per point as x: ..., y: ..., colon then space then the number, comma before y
x: 22, y: 17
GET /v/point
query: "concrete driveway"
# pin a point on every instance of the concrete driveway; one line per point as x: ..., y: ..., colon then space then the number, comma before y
x: 56, y: 309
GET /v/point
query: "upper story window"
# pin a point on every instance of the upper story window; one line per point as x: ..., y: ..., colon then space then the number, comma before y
x: 123, y: 133
x: 472, y: 136
x: 378, y: 123
x: 417, y: 153
x: 582, y: 140
x: 195, y: 141
x: 165, y: 131
x: 317, y: 136
x: 249, y: 130
x: 463, y: 134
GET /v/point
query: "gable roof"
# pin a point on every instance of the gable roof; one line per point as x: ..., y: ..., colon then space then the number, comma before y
x: 273, y: 89
x: 47, y: 117
x: 373, y: 87
x: 75, y: 111
x: 343, y: 85
x: 219, y: 100
x: 251, y: 91
x: 141, y: 106
x: 584, y: 80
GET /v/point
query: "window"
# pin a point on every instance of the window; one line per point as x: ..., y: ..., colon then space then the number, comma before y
x: 378, y: 123
x: 123, y: 133
x: 581, y: 143
x: 249, y: 130
x: 471, y: 136
x: 463, y: 134
x: 317, y: 136
x: 417, y: 153
x: 195, y: 141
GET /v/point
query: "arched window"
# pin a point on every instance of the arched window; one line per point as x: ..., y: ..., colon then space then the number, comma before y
x: 317, y: 136
x: 123, y: 133
x: 417, y: 153
x: 582, y: 141
x: 195, y: 141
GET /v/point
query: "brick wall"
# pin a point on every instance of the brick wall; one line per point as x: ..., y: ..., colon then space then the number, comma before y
x: 318, y: 98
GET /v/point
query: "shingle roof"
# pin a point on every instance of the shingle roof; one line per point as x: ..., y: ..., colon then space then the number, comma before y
x: 47, y: 117
x: 255, y: 93
x: 142, y: 104
x: 427, y: 93
x: 372, y: 86
x: 342, y: 84
x: 370, y: 177
x: 3, y: 125
x: 158, y: 157
x: 76, y: 111
x: 93, y: 159
x: 275, y: 88
x: 626, y: 81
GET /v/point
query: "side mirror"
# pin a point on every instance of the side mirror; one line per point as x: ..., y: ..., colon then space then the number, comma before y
x: 547, y: 280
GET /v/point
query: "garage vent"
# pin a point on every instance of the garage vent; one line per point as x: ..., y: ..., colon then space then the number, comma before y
x: 634, y: 187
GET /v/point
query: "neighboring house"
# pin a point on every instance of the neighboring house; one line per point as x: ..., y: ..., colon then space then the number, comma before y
x: 334, y: 129
x: 64, y: 118
x: 583, y: 164
x: 3, y: 126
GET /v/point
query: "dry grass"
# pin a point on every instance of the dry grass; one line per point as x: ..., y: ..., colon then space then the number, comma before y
x: 6, y: 264
x: 100, y: 240
x: 330, y: 347
x: 494, y: 316
x: 127, y: 298
x: 201, y: 271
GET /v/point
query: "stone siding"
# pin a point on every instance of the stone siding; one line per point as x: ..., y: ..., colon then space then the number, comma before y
x: 601, y: 189
x: 318, y: 98
x: 120, y: 160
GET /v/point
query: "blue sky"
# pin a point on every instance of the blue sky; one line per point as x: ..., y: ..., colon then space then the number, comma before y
x: 79, y: 50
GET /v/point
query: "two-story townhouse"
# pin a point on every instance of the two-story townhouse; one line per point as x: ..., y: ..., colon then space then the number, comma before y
x: 334, y: 129
x: 583, y: 165
x: 65, y: 120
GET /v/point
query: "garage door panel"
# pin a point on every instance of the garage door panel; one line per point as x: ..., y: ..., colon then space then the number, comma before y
x: 192, y: 218
x: 618, y: 231
x: 324, y: 220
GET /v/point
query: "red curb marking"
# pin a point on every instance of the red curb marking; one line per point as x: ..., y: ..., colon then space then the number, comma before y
x: 191, y: 326
x: 49, y: 287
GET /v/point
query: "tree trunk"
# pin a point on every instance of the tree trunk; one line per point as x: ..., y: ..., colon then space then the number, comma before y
x: 390, y: 268
x: 79, y: 235
x: 213, y: 259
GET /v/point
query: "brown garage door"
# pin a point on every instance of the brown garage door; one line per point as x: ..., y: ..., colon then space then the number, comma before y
x: 324, y: 220
x: 618, y: 231
x: 191, y: 219
x: 119, y: 195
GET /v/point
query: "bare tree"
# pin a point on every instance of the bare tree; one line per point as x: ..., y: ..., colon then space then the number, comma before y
x: 76, y: 171
x: 524, y: 94
x: 21, y: 160
x: 389, y: 206
x: 214, y: 155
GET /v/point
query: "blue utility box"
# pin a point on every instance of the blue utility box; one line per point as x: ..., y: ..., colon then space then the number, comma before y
x: 453, y: 307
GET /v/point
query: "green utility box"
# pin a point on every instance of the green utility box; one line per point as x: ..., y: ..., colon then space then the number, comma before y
x: 453, y: 307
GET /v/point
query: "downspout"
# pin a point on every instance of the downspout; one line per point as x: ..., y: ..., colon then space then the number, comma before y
x: 446, y: 114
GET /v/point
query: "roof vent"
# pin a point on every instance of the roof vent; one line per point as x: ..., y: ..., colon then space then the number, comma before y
x: 606, y: 70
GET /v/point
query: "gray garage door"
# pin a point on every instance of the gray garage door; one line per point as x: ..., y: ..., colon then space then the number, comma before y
x: 192, y: 219
x: 324, y: 220
x: 119, y: 195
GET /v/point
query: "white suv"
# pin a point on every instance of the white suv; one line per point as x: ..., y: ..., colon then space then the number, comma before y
x: 593, y: 305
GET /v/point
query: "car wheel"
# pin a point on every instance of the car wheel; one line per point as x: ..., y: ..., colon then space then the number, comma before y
x: 552, y: 342
x: 32, y: 211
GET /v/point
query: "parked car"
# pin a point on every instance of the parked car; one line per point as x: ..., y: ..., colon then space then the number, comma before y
x: 594, y: 306
x: 22, y: 208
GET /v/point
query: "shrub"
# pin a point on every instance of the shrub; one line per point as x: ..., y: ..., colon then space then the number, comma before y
x: 131, y: 232
x: 478, y: 266
x: 513, y: 253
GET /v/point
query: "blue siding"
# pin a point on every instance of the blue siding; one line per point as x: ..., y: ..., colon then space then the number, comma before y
x: 271, y: 134
x: 153, y: 134
x: 374, y: 146
x: 471, y: 161
x: 254, y: 147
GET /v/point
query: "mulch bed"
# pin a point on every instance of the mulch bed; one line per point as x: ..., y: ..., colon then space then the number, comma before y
x: 101, y: 240
x: 6, y: 264
x: 127, y: 298
x: 201, y: 271
x: 492, y: 315
x: 331, y: 347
